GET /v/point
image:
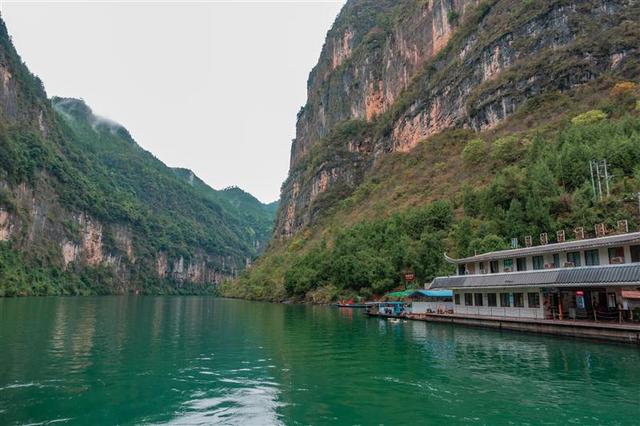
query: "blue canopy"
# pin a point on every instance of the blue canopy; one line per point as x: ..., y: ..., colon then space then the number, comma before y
x: 434, y: 293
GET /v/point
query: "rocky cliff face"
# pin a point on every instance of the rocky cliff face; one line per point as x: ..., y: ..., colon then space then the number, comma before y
x: 84, y: 209
x: 392, y: 74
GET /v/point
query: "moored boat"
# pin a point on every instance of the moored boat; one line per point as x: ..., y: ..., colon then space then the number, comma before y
x: 349, y: 304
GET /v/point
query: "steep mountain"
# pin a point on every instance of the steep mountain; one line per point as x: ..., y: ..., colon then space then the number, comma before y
x: 256, y: 216
x: 84, y: 209
x: 452, y: 125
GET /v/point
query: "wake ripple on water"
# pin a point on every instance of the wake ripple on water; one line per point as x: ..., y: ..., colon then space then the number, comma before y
x: 255, y: 403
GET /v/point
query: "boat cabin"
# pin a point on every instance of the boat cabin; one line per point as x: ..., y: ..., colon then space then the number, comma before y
x: 393, y: 309
x: 596, y: 279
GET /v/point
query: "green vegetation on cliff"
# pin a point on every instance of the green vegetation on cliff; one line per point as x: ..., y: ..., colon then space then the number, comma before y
x: 460, y: 192
x: 85, y: 210
x: 493, y: 108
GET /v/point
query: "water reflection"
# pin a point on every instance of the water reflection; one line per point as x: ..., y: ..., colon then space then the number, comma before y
x: 199, y: 360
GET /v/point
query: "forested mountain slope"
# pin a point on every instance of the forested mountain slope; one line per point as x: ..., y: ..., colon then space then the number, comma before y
x: 452, y: 125
x: 84, y: 209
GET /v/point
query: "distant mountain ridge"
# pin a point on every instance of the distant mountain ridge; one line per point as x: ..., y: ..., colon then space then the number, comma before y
x: 85, y: 210
x: 240, y: 204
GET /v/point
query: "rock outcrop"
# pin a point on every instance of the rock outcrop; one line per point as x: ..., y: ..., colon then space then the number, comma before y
x: 84, y: 209
x: 392, y: 74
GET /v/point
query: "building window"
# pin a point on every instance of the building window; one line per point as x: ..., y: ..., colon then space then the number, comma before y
x: 492, y: 299
x: 483, y: 270
x: 521, y: 264
x: 505, y: 301
x: 635, y: 253
x: 538, y: 262
x: 462, y: 270
x: 556, y: 260
x: 493, y: 265
x: 534, y: 300
x: 508, y: 265
x: 591, y: 258
x: 456, y: 297
x: 611, y: 300
x: 616, y: 255
x: 518, y: 300
x: 574, y: 257
x: 477, y: 299
x: 468, y: 299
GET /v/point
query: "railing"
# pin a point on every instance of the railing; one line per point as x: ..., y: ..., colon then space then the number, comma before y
x: 571, y: 314
x: 598, y: 315
x: 501, y: 311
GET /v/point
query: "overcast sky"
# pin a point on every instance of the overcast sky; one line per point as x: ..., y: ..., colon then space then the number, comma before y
x: 210, y: 86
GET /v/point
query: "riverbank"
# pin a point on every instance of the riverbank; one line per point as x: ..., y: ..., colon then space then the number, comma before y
x: 275, y: 292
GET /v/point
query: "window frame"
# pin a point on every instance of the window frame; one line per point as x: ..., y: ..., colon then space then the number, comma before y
x: 518, y: 300
x: 577, y: 261
x: 456, y: 298
x: 519, y: 266
x: 618, y: 252
x: 477, y: 297
x: 503, y: 297
x: 468, y: 299
x: 507, y: 263
x: 537, y: 262
x: 536, y: 297
x: 492, y: 303
x: 590, y: 256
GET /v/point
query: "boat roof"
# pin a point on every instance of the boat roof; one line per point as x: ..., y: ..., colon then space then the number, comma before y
x: 586, y: 276
x: 608, y: 241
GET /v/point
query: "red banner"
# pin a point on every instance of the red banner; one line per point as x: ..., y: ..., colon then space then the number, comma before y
x: 631, y: 294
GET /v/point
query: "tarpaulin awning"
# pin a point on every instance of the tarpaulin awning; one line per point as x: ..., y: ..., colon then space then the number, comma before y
x: 432, y: 293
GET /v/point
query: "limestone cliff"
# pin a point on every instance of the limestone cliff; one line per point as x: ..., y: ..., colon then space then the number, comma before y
x: 393, y: 73
x: 84, y: 209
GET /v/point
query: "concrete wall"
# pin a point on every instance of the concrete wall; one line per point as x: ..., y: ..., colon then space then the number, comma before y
x: 500, y: 311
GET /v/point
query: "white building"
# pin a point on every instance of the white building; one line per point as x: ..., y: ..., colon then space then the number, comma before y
x: 597, y: 278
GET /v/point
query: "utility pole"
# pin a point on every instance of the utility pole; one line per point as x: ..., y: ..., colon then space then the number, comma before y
x: 601, y: 172
x: 593, y: 182
x: 599, y: 182
x: 606, y: 176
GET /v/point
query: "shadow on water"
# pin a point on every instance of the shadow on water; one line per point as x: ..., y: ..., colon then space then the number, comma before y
x: 201, y: 360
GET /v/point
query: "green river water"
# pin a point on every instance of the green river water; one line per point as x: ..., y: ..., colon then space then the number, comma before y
x: 202, y: 360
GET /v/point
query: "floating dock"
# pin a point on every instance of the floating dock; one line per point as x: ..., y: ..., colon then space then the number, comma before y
x: 618, y: 333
